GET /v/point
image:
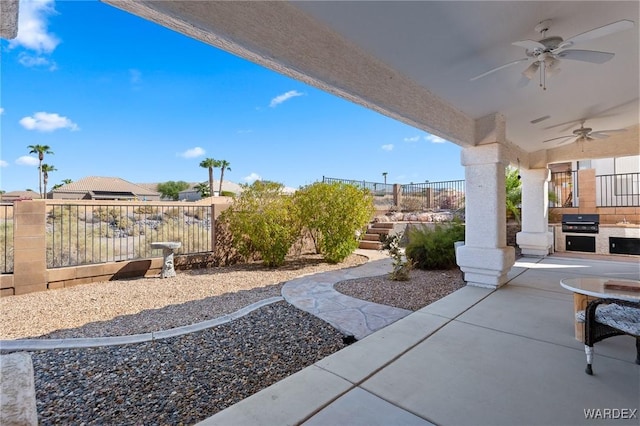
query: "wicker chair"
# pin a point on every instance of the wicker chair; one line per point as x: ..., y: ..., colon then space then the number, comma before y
x: 606, y: 318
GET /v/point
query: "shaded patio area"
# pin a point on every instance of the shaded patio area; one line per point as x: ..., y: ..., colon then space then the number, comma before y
x: 477, y: 357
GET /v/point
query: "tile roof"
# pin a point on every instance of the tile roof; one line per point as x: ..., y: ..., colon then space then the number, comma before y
x: 108, y: 184
x: 13, y: 195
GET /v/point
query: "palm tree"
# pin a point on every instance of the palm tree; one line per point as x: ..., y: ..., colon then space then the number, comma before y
x: 384, y: 175
x: 210, y: 163
x: 203, y: 189
x: 41, y: 150
x: 223, y: 164
x: 45, y: 169
x: 60, y: 185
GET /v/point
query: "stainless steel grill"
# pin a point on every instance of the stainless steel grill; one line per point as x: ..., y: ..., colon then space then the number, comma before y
x: 581, y: 223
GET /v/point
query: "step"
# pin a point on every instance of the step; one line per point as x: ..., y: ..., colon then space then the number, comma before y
x: 382, y: 225
x: 384, y: 231
x: 371, y: 237
x: 370, y: 245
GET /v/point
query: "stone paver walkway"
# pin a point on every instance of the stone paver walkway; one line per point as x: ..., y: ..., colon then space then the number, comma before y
x: 353, y: 317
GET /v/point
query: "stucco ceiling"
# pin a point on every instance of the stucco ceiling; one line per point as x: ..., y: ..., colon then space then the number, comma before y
x: 413, y: 60
x: 441, y: 45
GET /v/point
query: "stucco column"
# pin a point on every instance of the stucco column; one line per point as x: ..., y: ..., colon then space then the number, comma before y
x: 535, y: 238
x: 485, y: 258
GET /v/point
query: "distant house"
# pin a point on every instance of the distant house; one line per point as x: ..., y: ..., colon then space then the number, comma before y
x: 104, y: 188
x: 19, y: 195
x: 191, y: 194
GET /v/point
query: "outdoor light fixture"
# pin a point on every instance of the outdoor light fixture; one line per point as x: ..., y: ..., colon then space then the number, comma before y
x: 546, y: 66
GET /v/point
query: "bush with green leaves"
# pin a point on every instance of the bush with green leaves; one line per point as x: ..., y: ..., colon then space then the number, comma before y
x: 401, y: 265
x: 332, y: 214
x: 263, y: 220
x: 434, y: 248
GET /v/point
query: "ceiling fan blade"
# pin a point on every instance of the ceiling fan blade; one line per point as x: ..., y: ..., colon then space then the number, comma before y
x: 597, y: 135
x: 559, y: 137
x: 600, y: 32
x: 498, y: 69
x: 601, y: 134
x: 529, y: 44
x: 592, y: 56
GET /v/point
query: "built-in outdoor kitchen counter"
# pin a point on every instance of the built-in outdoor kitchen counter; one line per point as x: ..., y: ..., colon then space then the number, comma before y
x: 584, y: 233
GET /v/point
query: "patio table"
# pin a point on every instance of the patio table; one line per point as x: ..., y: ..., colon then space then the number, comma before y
x: 586, y: 289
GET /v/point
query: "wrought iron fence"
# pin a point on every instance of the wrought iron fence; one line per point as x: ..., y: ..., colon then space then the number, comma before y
x: 619, y: 190
x: 6, y: 238
x: 79, y: 234
x: 377, y: 189
x: 443, y: 195
x: 564, y: 186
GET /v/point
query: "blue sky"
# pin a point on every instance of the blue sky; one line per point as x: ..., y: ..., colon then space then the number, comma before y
x: 115, y: 95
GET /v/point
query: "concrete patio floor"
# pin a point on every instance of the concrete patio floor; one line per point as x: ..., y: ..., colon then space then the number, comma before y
x: 476, y: 357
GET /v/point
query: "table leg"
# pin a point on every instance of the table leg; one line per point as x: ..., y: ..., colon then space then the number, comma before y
x: 580, y: 302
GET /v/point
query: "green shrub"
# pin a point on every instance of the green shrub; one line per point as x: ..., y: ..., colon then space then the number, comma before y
x: 332, y: 213
x: 401, y: 265
x: 433, y: 248
x: 262, y: 220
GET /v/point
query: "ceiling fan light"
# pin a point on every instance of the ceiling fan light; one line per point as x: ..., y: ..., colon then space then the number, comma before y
x: 531, y: 71
x: 553, y: 71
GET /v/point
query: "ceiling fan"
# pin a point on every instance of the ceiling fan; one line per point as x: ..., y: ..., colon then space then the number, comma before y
x: 547, y: 52
x: 586, y: 134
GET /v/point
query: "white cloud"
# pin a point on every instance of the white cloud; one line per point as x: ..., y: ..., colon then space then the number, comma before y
x: 244, y: 131
x: 1, y: 110
x: 27, y: 160
x: 30, y: 61
x: 193, y: 152
x: 387, y: 147
x: 284, y: 97
x: 434, y: 139
x: 252, y: 178
x: 33, y: 33
x: 47, y: 122
x: 412, y: 139
x: 3, y: 163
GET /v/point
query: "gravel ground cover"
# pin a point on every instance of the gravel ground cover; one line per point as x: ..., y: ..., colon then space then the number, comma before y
x: 185, y: 379
x: 143, y: 305
x: 179, y: 380
x: 423, y: 288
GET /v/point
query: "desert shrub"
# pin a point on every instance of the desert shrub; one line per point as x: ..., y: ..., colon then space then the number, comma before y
x: 173, y: 212
x: 433, y: 248
x: 262, y: 220
x: 332, y: 213
x: 145, y: 210
x: 63, y: 213
x: 411, y: 204
x: 121, y: 222
x: 228, y: 194
x: 105, y: 214
x: 199, y: 213
x: 401, y: 265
